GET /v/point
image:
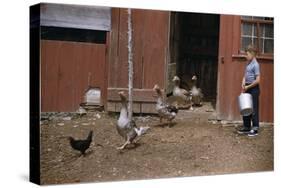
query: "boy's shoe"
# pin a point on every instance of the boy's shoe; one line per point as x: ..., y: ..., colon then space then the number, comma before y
x: 253, y: 133
x: 244, y: 131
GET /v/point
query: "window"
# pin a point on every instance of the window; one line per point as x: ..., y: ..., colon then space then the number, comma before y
x: 257, y: 31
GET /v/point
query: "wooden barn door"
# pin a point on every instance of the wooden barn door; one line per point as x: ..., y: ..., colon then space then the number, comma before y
x: 228, y: 74
x: 150, y: 41
x: 67, y: 70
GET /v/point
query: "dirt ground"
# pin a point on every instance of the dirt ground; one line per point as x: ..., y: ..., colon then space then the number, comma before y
x: 193, y: 146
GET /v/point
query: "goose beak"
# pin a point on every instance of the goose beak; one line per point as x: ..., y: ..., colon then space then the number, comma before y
x: 121, y: 93
x: 155, y: 87
x: 176, y: 78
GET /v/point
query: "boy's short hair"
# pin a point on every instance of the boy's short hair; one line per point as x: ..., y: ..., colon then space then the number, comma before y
x: 251, y: 49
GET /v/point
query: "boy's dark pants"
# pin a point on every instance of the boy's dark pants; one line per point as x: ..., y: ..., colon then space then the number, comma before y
x: 255, y: 92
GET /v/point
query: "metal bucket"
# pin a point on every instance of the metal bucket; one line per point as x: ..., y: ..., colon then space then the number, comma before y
x: 245, y: 103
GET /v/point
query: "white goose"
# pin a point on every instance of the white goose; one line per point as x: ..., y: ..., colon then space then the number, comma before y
x: 179, y: 92
x: 126, y: 128
x: 196, y: 93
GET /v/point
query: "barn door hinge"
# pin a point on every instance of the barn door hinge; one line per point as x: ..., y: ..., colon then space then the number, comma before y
x: 222, y: 59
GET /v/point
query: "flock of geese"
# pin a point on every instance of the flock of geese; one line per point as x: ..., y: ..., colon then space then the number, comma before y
x: 128, y: 129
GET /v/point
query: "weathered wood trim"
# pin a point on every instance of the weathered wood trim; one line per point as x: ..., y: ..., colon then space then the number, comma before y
x: 107, y: 60
x: 139, y: 95
x: 242, y: 57
x: 148, y: 108
x: 76, y: 16
x: 137, y: 107
x: 236, y: 34
x: 167, y: 57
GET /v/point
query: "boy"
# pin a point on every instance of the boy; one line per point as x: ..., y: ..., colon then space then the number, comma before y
x: 250, y: 84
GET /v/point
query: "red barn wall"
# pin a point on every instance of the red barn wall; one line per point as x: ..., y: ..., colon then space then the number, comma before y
x: 231, y: 70
x: 67, y: 70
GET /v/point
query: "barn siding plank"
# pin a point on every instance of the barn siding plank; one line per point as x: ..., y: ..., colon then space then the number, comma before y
x: 72, y: 68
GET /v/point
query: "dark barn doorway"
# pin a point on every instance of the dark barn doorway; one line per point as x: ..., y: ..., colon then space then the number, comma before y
x: 194, y: 42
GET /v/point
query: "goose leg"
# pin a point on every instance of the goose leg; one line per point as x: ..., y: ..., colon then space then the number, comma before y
x: 124, y: 145
x: 170, y: 124
x: 191, y: 102
x: 191, y: 107
x: 136, y: 140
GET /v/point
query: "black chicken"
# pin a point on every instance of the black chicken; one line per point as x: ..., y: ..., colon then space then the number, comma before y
x: 81, y: 145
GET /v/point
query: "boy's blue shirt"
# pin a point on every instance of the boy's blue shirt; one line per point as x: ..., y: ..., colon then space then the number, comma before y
x: 252, y: 70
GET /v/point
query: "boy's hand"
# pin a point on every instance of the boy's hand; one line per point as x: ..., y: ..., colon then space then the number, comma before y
x: 243, y: 88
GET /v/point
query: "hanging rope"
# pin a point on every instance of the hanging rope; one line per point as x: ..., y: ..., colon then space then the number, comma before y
x: 130, y: 65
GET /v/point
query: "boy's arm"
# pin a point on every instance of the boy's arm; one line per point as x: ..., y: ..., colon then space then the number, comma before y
x: 243, y: 83
x: 256, y: 82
